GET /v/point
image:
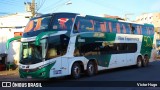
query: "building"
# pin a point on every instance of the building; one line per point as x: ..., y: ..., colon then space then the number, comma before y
x: 10, y: 26
x: 151, y: 18
x: 113, y: 17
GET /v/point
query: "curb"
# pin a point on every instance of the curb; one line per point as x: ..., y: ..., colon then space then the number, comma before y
x: 7, y: 74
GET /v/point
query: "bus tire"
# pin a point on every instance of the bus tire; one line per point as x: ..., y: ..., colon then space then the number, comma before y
x: 139, y: 62
x: 91, y: 68
x: 145, y: 61
x: 76, y: 71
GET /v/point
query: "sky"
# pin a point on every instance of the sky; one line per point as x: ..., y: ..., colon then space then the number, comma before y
x: 89, y: 7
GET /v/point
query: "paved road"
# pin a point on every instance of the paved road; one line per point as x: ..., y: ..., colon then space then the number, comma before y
x: 150, y: 73
x: 125, y: 75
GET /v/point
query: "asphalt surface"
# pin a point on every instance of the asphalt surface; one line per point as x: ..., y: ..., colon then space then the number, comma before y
x: 122, y: 76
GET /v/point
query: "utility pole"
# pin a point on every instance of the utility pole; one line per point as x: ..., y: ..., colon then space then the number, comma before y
x: 33, y: 8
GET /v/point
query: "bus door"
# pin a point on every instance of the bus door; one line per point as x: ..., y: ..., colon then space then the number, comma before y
x: 131, y: 51
x: 64, y: 65
x: 64, y: 46
x: 121, y: 55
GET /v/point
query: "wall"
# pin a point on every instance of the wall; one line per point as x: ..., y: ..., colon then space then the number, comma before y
x: 13, y: 51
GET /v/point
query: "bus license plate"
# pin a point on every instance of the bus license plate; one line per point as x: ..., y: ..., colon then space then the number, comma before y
x: 29, y: 77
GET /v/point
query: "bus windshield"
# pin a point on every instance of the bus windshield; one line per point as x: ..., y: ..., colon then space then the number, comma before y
x: 31, y: 53
x: 38, y: 24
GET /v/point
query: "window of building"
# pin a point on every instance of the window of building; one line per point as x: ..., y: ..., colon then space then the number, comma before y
x: 146, y: 18
x: 150, y: 17
x: 142, y: 19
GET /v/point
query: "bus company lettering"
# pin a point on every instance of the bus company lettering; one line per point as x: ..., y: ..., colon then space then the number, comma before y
x: 128, y: 38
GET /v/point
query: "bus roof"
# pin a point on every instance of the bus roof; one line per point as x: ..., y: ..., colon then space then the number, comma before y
x: 50, y: 14
x: 93, y: 17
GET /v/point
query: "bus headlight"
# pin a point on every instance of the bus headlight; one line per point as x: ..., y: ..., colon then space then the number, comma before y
x: 40, y: 67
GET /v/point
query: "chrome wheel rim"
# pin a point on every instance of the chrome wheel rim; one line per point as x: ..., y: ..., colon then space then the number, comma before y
x: 76, y: 71
x: 91, y: 68
x: 139, y: 63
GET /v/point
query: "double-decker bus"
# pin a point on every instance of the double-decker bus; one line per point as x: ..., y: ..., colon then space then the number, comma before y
x: 61, y: 44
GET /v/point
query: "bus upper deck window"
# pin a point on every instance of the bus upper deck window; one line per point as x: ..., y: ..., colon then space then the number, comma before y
x: 29, y: 26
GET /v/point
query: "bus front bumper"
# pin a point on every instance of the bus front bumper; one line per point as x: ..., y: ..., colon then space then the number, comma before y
x: 40, y: 73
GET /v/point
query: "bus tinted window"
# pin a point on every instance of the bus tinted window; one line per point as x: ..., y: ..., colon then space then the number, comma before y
x: 123, y: 28
x: 100, y: 26
x: 152, y: 30
x: 96, y: 24
x: 110, y: 26
x: 114, y: 29
x: 84, y: 25
x: 62, y: 22
x: 38, y: 24
x: 104, y: 48
x: 134, y: 29
x: 139, y: 29
x: 118, y: 27
x: 127, y: 28
x: 144, y: 31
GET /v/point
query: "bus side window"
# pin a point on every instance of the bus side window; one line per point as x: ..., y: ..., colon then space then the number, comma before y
x: 144, y: 30
x: 86, y: 25
x: 54, y: 48
x: 152, y: 30
x: 132, y: 28
x: 127, y: 28
x: 148, y: 30
x: 114, y: 27
x: 110, y: 26
x: 100, y: 26
x: 92, y: 25
x: 51, y: 53
x: 135, y: 28
x: 103, y: 26
x: 118, y: 27
x: 97, y: 26
x: 123, y: 28
x: 107, y: 27
x: 76, y: 27
x: 139, y: 30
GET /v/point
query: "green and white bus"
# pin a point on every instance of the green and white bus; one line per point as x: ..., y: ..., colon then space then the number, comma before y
x: 61, y: 44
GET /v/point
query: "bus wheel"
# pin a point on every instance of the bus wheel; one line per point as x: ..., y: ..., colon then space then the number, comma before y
x: 145, y: 61
x: 76, y: 71
x: 91, y: 68
x: 139, y: 61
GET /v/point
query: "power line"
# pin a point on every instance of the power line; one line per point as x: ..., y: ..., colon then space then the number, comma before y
x: 41, y: 4
x: 60, y: 5
x: 51, y: 5
x: 108, y: 7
